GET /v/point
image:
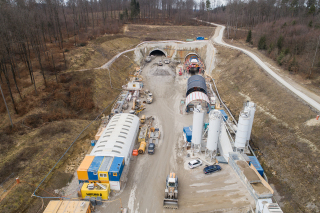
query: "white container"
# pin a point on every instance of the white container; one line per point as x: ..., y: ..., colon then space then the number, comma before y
x: 197, y: 128
x: 115, y: 185
x: 214, y: 130
x: 243, y: 128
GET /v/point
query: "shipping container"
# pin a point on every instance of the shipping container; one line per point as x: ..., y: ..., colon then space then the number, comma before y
x: 94, y: 168
x: 115, y: 185
x: 255, y: 162
x: 224, y: 115
x: 82, y: 171
x: 64, y: 206
x: 116, y: 168
x: 200, y: 38
x: 99, y: 190
x: 103, y: 174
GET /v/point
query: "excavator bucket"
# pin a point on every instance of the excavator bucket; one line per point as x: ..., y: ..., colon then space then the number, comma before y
x: 170, y: 203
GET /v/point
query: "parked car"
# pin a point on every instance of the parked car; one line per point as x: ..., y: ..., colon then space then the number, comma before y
x: 211, y: 169
x: 166, y: 61
x: 151, y: 148
x: 160, y: 63
x: 194, y: 163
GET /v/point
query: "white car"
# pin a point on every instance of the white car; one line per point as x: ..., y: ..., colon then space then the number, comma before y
x: 194, y: 163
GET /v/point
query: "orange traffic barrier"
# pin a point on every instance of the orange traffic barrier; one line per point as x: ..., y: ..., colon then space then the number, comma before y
x: 135, y: 152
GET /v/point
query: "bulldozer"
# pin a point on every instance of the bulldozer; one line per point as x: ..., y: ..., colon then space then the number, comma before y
x: 171, y: 192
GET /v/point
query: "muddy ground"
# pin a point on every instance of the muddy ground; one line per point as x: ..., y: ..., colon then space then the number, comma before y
x: 284, y: 133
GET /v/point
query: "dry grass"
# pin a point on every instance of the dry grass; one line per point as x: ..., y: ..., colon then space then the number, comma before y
x: 287, y: 148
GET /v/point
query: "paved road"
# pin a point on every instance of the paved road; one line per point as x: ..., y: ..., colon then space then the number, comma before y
x: 218, y: 38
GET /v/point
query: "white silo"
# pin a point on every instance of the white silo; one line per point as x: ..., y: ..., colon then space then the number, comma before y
x: 197, y: 128
x: 250, y: 106
x: 243, y: 128
x: 214, y: 130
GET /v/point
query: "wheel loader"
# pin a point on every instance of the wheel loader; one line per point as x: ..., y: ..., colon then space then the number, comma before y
x: 171, y: 192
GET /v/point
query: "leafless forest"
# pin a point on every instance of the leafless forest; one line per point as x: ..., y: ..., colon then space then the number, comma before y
x: 287, y: 31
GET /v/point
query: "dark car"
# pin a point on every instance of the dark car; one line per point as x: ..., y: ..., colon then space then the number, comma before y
x: 151, y: 148
x: 211, y: 169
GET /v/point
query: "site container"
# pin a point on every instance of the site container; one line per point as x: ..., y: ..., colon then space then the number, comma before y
x: 93, y: 142
x: 103, y: 174
x: 255, y: 162
x: 82, y: 170
x: 60, y: 206
x: 116, y: 168
x: 94, y: 168
x: 100, y: 190
x: 224, y: 114
x: 200, y: 38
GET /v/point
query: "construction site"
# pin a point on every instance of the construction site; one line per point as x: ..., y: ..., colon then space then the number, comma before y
x: 174, y: 141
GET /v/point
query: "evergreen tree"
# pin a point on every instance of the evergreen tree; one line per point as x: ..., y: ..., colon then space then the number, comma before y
x: 249, y: 37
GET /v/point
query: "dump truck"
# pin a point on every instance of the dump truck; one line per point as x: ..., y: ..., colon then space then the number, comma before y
x: 171, y: 192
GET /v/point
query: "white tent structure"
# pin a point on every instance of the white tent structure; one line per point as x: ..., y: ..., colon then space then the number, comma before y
x: 118, y: 137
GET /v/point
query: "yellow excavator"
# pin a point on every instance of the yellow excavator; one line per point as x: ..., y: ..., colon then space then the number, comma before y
x: 171, y: 192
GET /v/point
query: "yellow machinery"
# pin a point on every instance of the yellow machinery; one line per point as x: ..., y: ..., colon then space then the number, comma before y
x: 134, y: 104
x: 143, y: 133
x: 171, y: 192
x: 143, y: 119
x: 96, y: 190
x: 142, y: 147
x: 140, y: 109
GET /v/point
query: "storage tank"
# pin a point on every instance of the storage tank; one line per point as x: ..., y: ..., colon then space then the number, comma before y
x: 214, y: 130
x: 243, y: 128
x: 197, y: 128
x: 250, y: 106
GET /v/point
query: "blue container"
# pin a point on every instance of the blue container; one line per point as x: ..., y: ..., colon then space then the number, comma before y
x: 224, y: 115
x: 206, y: 125
x: 187, y: 130
x: 93, y: 142
x: 256, y: 164
x: 94, y: 168
x: 200, y: 38
x: 116, y: 169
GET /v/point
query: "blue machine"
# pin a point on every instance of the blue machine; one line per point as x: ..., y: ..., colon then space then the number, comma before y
x: 254, y: 161
x: 116, y: 169
x: 94, y: 168
x: 224, y: 115
x: 188, y: 131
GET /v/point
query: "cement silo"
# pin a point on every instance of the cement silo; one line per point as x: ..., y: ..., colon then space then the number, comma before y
x: 214, y: 130
x: 197, y: 128
x: 243, y: 128
x: 250, y: 106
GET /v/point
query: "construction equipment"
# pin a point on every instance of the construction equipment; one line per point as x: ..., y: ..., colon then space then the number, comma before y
x: 140, y: 109
x: 143, y: 119
x: 142, y: 147
x: 171, y: 192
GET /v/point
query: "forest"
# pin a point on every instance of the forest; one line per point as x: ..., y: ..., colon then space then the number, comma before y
x: 288, y: 31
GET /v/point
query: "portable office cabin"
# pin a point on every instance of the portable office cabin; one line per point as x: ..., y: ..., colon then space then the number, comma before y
x: 82, y: 170
x: 94, y: 168
x: 103, y: 173
x: 68, y: 206
x: 116, y: 169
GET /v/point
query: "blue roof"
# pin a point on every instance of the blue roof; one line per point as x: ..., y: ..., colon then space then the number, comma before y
x: 95, y: 165
x: 116, y: 164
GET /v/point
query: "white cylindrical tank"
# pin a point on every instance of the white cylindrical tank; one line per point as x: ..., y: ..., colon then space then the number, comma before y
x: 250, y: 106
x: 214, y: 130
x: 243, y: 128
x: 197, y: 128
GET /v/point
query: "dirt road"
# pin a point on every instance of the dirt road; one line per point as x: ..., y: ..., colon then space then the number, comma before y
x: 144, y: 190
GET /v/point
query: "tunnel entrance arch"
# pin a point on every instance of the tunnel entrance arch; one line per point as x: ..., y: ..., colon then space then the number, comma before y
x: 158, y: 52
x: 190, y: 55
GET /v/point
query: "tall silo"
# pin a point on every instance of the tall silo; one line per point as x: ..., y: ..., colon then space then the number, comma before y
x: 197, y: 128
x: 243, y: 128
x: 250, y: 106
x: 214, y: 130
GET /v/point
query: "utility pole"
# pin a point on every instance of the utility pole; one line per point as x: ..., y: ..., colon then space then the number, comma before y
x: 6, y: 106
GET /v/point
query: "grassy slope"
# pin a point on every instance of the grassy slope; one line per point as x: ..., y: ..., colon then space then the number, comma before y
x: 288, y: 148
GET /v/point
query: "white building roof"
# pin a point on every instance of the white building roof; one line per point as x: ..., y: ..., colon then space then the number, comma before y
x: 197, y: 96
x: 118, y: 137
